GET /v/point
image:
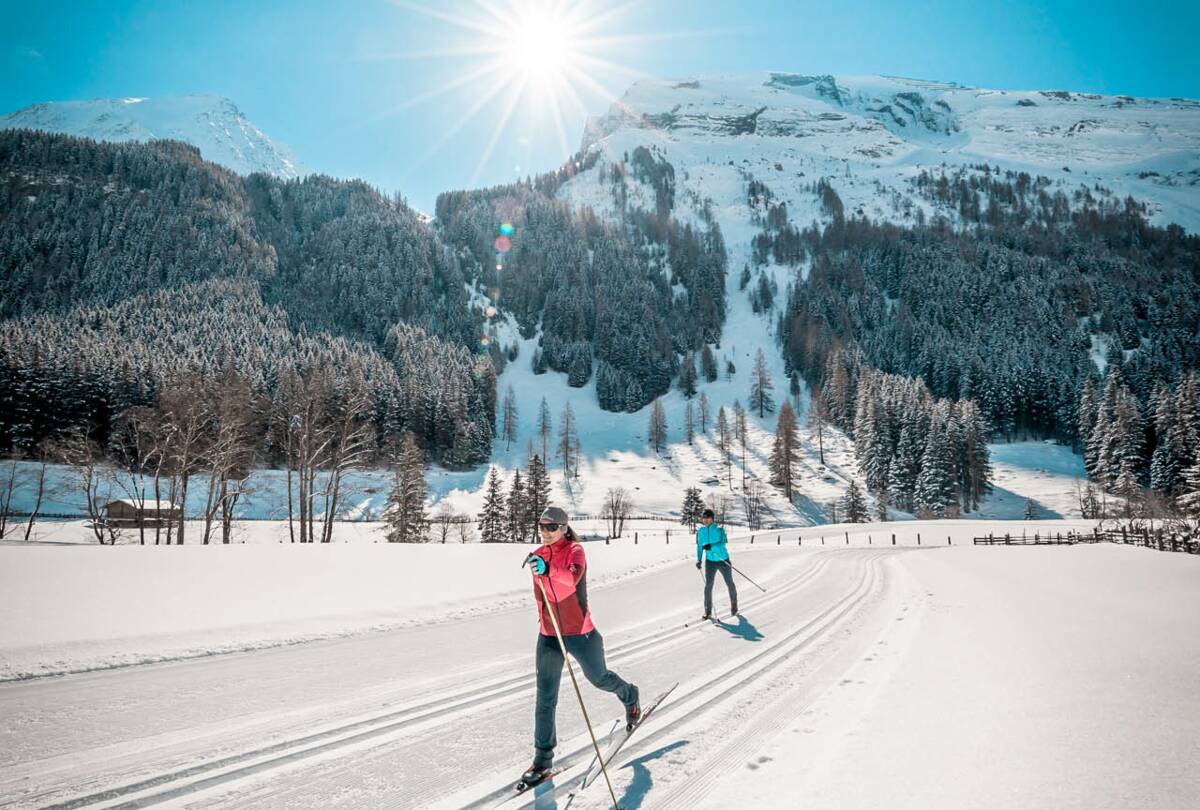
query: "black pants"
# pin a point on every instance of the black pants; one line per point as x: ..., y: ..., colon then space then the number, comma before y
x: 710, y: 574
x: 588, y: 650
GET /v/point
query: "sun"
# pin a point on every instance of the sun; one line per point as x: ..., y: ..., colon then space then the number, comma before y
x: 543, y: 61
x: 541, y: 46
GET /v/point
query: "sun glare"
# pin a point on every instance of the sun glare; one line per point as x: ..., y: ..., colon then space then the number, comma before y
x: 542, y: 61
x: 540, y: 46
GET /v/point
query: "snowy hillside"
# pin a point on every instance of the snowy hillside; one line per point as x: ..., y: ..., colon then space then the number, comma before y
x: 868, y: 138
x: 211, y: 123
x: 870, y: 134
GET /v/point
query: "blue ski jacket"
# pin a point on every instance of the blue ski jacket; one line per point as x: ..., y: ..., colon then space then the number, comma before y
x: 714, y: 536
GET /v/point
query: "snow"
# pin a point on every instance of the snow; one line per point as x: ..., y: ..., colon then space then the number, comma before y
x: 945, y: 676
x: 1014, y: 678
x: 70, y: 608
x: 211, y: 123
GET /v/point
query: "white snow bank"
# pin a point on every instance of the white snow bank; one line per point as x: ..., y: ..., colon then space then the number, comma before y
x: 1056, y: 677
x: 76, y: 607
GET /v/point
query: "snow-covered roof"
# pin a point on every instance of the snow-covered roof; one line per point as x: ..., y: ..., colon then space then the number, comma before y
x: 149, y: 504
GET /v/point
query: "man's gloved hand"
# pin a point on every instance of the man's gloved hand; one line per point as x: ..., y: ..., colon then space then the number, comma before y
x: 538, y: 565
x: 697, y: 565
x: 706, y: 546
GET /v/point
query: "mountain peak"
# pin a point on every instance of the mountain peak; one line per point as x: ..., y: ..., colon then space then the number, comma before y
x: 210, y: 122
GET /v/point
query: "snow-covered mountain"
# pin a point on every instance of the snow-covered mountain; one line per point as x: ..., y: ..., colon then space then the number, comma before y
x: 871, y: 134
x: 209, y: 122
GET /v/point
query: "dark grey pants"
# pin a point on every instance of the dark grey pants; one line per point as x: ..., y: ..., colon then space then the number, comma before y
x: 588, y: 650
x: 710, y: 574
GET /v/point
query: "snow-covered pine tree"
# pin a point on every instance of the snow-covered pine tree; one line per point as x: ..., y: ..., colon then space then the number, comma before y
x: 708, y: 364
x: 761, y: 386
x: 906, y: 464
x: 854, y: 505
x: 537, y: 494
x: 1030, y: 509
x: 871, y: 442
x: 515, y: 520
x: 974, y: 464
x: 692, y: 508
x: 936, y: 487
x: 1086, y: 413
x: 1122, y: 451
x: 703, y: 412
x: 687, y: 376
x: 1189, y: 499
x: 883, y: 500
x: 509, y: 417
x: 1097, y: 453
x: 405, y: 514
x: 491, y: 516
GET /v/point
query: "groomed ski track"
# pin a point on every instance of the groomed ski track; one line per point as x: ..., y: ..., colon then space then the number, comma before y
x: 441, y: 716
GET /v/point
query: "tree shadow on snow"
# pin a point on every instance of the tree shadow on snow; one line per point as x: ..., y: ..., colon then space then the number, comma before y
x: 742, y: 628
x: 642, y: 779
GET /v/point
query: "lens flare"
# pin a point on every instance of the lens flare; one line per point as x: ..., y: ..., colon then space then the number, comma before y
x: 506, y: 229
x: 502, y: 244
x: 490, y: 312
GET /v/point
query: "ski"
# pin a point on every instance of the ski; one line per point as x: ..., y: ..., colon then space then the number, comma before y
x: 527, y: 790
x: 593, y: 769
x: 608, y: 739
x: 521, y: 786
x: 697, y: 622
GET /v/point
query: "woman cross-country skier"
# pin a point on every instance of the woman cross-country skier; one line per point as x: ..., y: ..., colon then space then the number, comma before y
x: 561, y: 567
x: 710, y: 545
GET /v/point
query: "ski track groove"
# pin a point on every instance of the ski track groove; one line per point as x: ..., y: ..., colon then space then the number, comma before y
x: 434, y: 789
x: 732, y: 679
x: 767, y: 722
x: 444, y: 709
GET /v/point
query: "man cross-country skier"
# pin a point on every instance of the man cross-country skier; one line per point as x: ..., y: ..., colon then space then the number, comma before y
x: 710, y: 545
x: 560, y: 566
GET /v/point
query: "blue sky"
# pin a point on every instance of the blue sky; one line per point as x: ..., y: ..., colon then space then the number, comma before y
x: 342, y: 83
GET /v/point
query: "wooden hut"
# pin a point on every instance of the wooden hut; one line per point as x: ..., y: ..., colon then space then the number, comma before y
x: 128, y: 512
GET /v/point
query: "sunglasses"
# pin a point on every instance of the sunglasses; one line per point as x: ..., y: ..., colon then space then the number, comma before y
x: 549, y: 527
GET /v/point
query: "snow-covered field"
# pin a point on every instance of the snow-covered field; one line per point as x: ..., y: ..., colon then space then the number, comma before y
x: 375, y: 675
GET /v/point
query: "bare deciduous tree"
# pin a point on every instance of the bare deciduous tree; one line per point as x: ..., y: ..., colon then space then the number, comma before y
x: 8, y: 486
x: 754, y: 503
x: 86, y: 460
x: 443, y: 519
x: 617, y: 508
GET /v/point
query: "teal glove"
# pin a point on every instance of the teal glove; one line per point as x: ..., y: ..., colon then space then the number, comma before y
x: 539, y: 565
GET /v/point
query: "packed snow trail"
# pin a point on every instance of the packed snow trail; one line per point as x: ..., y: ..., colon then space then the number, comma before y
x: 74, y: 737
x: 863, y: 673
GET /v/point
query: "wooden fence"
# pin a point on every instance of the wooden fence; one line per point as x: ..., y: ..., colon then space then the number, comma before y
x: 1157, y: 539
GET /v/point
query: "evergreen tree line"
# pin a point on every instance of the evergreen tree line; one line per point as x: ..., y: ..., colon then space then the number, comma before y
x: 621, y: 301
x: 96, y: 223
x: 917, y: 453
x: 82, y: 369
x: 123, y: 265
x: 1129, y: 447
x: 513, y: 517
x: 1007, y: 315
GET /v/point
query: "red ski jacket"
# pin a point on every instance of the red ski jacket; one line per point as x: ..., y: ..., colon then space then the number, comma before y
x: 566, y: 585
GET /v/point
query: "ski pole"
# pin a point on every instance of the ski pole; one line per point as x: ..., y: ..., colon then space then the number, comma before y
x: 575, y: 683
x: 752, y: 582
